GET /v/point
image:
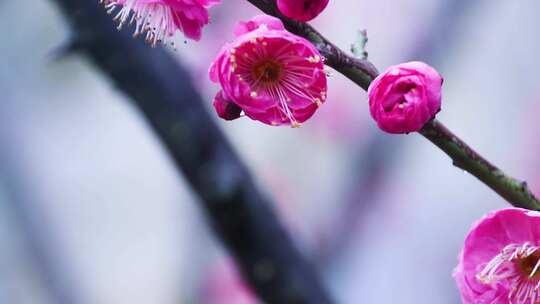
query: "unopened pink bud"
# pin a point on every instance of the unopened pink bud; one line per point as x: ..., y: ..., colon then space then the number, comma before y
x: 405, y: 97
x: 226, y: 109
x: 302, y: 10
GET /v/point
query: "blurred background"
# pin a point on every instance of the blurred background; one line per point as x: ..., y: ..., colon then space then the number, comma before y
x: 91, y: 205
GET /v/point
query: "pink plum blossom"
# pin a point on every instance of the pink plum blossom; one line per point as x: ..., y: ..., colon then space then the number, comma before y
x: 500, y: 261
x: 159, y: 20
x: 275, y: 77
x: 301, y: 10
x: 405, y: 97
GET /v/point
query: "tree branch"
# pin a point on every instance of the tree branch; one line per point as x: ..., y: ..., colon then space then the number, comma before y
x: 240, y: 214
x: 362, y: 72
x: 464, y: 157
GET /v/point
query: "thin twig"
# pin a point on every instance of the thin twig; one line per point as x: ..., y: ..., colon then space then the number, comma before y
x: 514, y: 191
x: 240, y: 214
x: 362, y: 72
x: 375, y: 161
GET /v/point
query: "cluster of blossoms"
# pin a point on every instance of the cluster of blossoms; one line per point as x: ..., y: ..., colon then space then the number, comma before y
x: 273, y: 76
x: 266, y: 73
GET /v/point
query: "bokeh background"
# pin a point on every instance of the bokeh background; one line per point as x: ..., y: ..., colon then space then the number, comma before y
x: 92, y: 206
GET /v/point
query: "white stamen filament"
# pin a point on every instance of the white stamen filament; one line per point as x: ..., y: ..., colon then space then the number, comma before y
x: 155, y: 20
x: 525, y: 287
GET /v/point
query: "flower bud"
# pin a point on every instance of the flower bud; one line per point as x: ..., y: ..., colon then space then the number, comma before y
x: 405, y: 97
x: 226, y: 109
x: 301, y: 10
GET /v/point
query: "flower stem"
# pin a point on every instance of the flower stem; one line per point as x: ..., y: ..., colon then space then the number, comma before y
x: 514, y: 191
x: 362, y: 72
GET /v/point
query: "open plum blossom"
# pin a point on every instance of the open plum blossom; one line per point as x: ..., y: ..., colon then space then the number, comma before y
x: 405, y: 97
x: 500, y: 262
x: 272, y: 75
x: 159, y: 20
x: 302, y: 10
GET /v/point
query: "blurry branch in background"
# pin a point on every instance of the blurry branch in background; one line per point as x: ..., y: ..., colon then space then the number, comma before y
x: 377, y: 159
x: 362, y: 72
x: 43, y: 249
x: 240, y: 214
x: 363, y: 187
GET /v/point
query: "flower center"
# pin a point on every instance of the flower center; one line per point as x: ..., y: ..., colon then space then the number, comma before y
x: 529, y: 265
x: 281, y: 75
x: 267, y: 71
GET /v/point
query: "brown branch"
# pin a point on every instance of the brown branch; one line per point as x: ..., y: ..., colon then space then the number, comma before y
x: 362, y: 72
x: 463, y: 156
